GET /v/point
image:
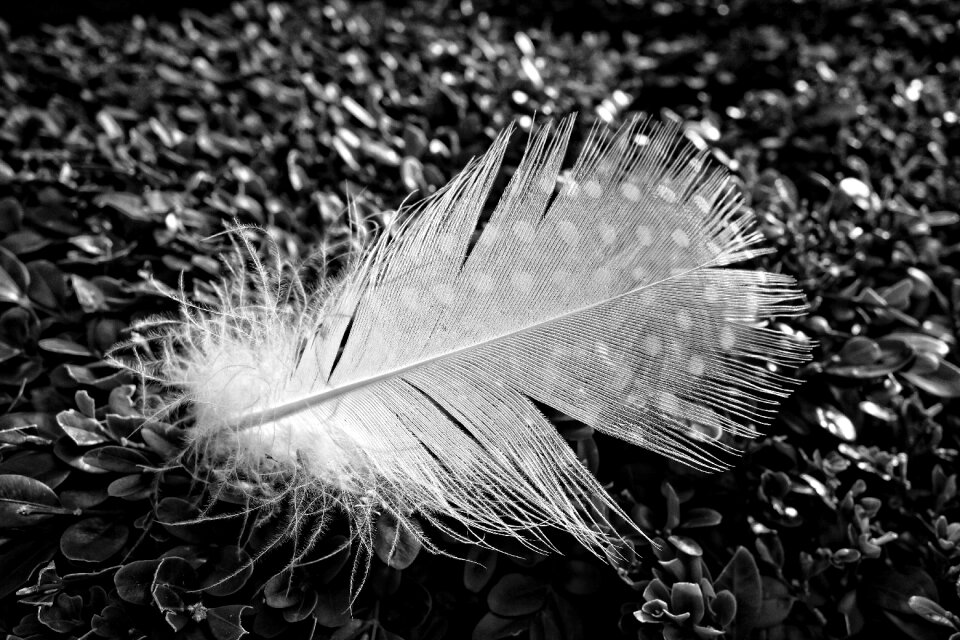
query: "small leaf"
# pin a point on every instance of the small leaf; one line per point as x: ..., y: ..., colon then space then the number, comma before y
x: 658, y: 611
x: 673, y: 506
x: 9, y: 290
x: 944, y: 382
x: 162, y: 439
x: 922, y: 343
x: 777, y: 603
x: 25, y: 241
x: 64, y: 347
x: 136, y: 486
x: 898, y: 295
x: 89, y: 296
x: 280, y: 592
x: 232, y: 567
x: 64, y: 614
x: 304, y: 607
x: 93, y: 539
x: 332, y: 607
x: 494, y: 627
x: 82, y: 430
x: 117, y: 459
x: 8, y: 353
x: 25, y: 501
x: 581, y: 578
x: 771, y: 549
x: 588, y: 453
x: 85, y: 403
x: 724, y: 608
x: 135, y: 579
x: 269, y: 622
x: 47, y: 284
x: 122, y: 427
x: 178, y: 516
x: 846, y: 556
x: 926, y: 363
x: 224, y: 622
x: 111, y: 622
x: 517, y: 595
x: 11, y: 214
x: 706, y: 633
x: 39, y: 465
x: 22, y: 373
x: 930, y: 610
x: 686, y: 597
x: 86, y: 376
x: 121, y: 401
x: 894, y: 356
x: 890, y: 590
x: 859, y: 350
x: 547, y: 625
x: 397, y: 544
x: 20, y: 560
x: 174, y: 576
x: 67, y: 450
x: 176, y: 620
x: 656, y: 590
x: 129, y: 204
x: 686, y: 545
x: 16, y: 272
x: 480, y: 565
x: 19, y: 327
x: 354, y: 630
x: 83, y: 498
x: 741, y: 577
x: 831, y: 419
x: 700, y: 517
x: 858, y: 191
x: 941, y: 218
x: 337, y: 552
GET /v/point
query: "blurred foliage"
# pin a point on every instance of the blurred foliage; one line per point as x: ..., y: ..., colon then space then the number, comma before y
x: 125, y: 147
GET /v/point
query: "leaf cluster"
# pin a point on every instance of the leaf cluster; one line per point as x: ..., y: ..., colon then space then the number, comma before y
x: 124, y: 149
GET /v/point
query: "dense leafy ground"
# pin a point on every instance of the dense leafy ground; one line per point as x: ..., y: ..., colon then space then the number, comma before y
x: 125, y: 147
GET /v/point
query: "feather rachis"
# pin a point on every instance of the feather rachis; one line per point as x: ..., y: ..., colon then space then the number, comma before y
x: 407, y: 387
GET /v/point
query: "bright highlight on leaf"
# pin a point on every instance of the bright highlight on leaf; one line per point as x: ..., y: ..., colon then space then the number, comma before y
x: 407, y: 388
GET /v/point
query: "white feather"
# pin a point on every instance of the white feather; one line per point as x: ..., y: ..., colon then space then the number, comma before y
x: 408, y: 387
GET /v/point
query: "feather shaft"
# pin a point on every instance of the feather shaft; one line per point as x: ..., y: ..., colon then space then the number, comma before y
x: 287, y: 409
